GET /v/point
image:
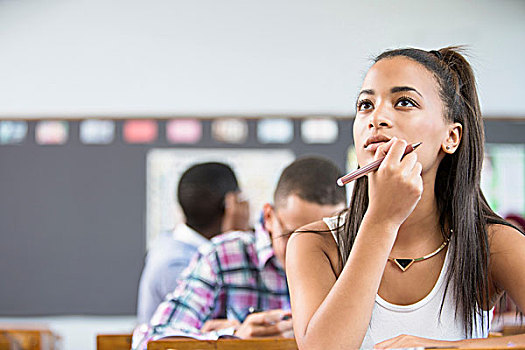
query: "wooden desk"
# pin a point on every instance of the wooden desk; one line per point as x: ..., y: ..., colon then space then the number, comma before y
x: 512, y: 330
x: 113, y: 341
x: 182, y: 344
x: 264, y: 344
x: 27, y: 337
x: 224, y: 344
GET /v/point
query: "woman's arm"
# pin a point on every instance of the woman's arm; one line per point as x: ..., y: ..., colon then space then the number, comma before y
x: 330, y: 313
x: 507, y: 262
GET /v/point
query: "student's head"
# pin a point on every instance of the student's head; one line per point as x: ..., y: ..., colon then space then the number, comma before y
x: 427, y: 96
x: 430, y: 96
x: 201, y: 192
x: 306, y: 192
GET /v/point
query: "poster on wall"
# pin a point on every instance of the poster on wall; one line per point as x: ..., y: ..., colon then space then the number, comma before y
x: 503, y: 178
x: 257, y: 171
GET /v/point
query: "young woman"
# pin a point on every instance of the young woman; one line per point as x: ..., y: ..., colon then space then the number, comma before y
x: 419, y: 258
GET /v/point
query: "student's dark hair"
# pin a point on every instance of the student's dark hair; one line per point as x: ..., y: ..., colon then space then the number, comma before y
x: 313, y: 179
x: 201, y: 192
x: 463, y: 211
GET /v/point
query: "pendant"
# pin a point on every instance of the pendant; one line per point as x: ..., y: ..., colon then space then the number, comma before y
x: 403, y: 264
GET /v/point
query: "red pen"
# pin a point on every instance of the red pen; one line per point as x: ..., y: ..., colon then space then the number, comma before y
x: 356, y: 174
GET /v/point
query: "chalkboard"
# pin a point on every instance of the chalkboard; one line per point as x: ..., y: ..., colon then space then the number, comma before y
x: 72, y: 216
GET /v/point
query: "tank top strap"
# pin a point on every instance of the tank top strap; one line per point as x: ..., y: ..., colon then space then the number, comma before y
x: 335, y: 223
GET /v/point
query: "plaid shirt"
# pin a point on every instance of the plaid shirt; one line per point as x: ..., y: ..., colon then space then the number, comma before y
x: 234, y: 275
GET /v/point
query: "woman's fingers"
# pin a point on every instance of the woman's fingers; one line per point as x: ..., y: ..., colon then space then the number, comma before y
x: 395, y: 153
x: 382, y: 150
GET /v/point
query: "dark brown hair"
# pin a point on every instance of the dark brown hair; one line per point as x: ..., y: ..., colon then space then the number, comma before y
x: 313, y: 179
x: 201, y: 192
x: 461, y: 205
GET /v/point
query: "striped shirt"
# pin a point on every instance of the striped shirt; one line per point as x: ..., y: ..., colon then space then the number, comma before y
x: 235, y: 274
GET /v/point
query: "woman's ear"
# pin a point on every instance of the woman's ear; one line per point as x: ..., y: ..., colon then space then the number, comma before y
x: 451, y: 143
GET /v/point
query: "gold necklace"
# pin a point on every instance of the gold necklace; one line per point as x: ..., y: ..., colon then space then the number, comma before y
x: 405, y: 263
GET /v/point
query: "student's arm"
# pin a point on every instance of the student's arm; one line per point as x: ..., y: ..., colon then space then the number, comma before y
x: 323, y: 305
x: 169, y: 275
x: 194, y: 299
x: 188, y: 307
x: 507, y: 262
x: 330, y: 313
x: 159, y: 278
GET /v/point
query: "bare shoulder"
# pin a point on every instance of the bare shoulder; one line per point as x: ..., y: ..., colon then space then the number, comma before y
x: 507, y: 261
x: 316, y: 233
x: 505, y: 239
x: 315, y: 238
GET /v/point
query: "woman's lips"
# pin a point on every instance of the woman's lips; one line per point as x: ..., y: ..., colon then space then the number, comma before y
x: 373, y: 146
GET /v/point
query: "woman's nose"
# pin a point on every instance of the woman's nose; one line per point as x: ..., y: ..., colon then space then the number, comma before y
x: 379, y: 119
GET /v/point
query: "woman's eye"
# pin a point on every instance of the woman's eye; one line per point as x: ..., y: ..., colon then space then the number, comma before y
x: 406, y: 102
x: 364, y: 105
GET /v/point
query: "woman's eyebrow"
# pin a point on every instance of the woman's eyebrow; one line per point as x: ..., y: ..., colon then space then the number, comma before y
x: 404, y: 88
x: 366, y: 91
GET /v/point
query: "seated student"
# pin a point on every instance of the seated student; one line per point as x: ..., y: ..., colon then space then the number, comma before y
x: 239, y: 276
x: 419, y: 258
x: 208, y: 196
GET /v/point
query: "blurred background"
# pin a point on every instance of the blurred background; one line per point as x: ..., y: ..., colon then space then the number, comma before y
x: 103, y: 104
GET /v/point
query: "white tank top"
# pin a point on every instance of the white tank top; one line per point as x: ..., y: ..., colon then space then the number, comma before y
x: 421, y: 319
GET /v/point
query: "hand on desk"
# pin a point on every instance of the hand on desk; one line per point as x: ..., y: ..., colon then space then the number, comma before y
x: 215, y: 325
x: 410, y: 341
x: 272, y: 323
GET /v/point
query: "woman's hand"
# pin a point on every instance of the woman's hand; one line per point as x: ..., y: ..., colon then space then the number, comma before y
x: 217, y: 324
x: 271, y: 323
x: 410, y: 341
x: 396, y: 187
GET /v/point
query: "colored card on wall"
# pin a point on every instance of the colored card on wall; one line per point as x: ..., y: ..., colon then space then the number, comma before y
x: 230, y: 130
x: 319, y: 130
x: 275, y: 130
x: 97, y: 132
x: 188, y: 131
x: 140, y: 131
x: 52, y: 132
x: 12, y: 132
x: 503, y: 178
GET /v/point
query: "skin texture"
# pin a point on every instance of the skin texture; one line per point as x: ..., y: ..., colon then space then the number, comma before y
x: 399, y: 103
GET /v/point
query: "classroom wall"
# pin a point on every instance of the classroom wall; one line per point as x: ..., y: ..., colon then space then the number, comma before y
x: 165, y: 57
x: 75, y: 217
